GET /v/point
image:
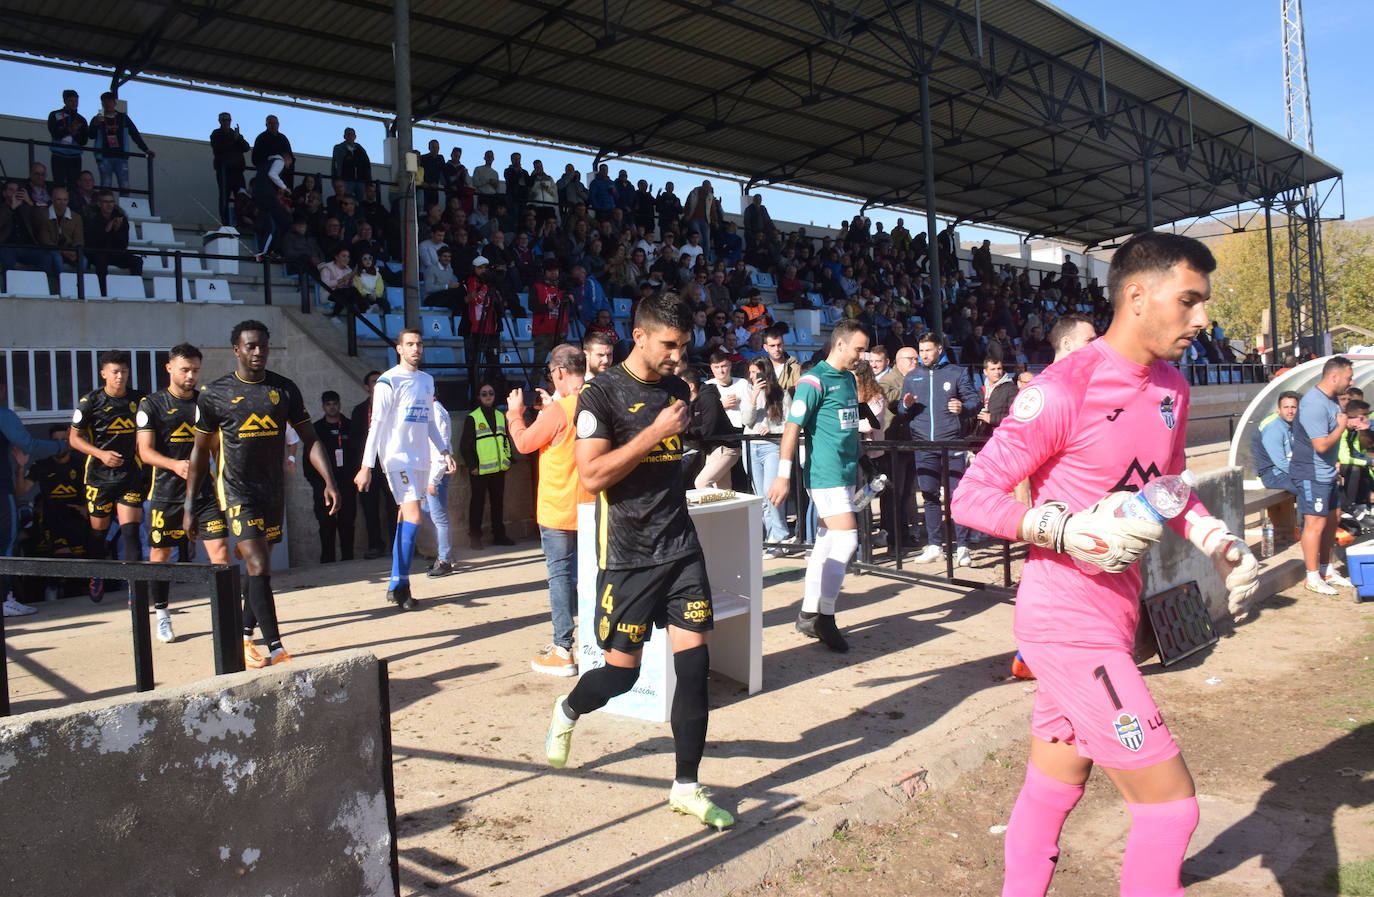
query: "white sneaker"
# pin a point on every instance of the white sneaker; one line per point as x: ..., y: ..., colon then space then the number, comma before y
x: 930, y: 554
x: 962, y: 556
x: 1319, y: 586
x: 17, y: 608
x: 1337, y: 580
x: 164, y: 630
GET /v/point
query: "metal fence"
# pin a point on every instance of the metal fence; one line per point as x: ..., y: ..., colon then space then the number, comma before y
x: 226, y: 613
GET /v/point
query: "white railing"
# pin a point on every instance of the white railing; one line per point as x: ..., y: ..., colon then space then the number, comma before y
x: 45, y: 384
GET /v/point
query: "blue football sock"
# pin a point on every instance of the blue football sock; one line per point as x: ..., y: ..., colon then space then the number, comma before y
x: 402, y: 553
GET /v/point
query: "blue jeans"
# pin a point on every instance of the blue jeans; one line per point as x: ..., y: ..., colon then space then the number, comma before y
x: 763, y: 466
x: 114, y: 169
x: 703, y: 227
x: 438, y: 513
x: 560, y: 560
x: 47, y: 259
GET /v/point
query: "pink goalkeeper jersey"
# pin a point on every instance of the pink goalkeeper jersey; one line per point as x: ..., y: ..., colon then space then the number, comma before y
x: 1091, y: 424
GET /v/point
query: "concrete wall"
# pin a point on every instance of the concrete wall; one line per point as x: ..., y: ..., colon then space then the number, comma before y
x: 269, y: 782
x: 1175, y: 561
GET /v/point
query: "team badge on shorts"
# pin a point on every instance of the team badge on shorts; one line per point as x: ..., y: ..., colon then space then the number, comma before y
x: 604, y: 628
x: 1166, y: 411
x: 1129, y: 732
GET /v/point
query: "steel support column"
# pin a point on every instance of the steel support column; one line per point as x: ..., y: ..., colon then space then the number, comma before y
x: 1273, y: 293
x: 1148, y: 186
x: 410, y: 253
x: 934, y: 318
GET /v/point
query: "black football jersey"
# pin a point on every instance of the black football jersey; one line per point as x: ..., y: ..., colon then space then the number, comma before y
x: 172, y: 421
x: 642, y: 519
x: 251, y: 419
x: 60, y: 481
x: 108, y: 423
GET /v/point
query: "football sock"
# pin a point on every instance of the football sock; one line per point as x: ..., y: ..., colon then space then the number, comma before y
x: 130, y: 548
x: 811, y: 592
x: 162, y: 614
x: 98, y: 546
x: 598, y: 686
x: 402, y: 553
x: 1156, y: 846
x: 690, y: 713
x: 264, y: 608
x: 841, y: 545
x: 159, y: 592
x: 1032, y: 841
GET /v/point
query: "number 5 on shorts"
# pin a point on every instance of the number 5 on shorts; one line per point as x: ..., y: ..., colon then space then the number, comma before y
x: 405, y: 480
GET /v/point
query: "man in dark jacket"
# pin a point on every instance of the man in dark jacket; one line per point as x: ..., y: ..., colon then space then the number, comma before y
x: 272, y: 142
x: 107, y: 236
x: 227, y: 146
x: 68, y: 128
x: 935, y: 396
x: 351, y: 164
x: 377, y: 504
x: 999, y: 391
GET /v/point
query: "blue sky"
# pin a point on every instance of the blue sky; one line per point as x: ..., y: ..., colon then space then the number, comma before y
x: 1227, y: 48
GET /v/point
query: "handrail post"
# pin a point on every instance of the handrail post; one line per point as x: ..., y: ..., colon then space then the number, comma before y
x: 352, y: 328
x: 226, y: 621
x: 176, y: 275
x: 266, y: 280
x: 305, y: 293
x: 80, y: 276
x: 4, y: 673
x: 152, y: 207
x: 143, y: 635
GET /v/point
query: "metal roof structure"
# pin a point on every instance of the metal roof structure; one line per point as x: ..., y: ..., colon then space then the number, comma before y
x: 1038, y: 123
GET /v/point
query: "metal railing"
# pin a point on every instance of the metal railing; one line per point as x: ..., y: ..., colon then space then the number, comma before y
x: 226, y: 613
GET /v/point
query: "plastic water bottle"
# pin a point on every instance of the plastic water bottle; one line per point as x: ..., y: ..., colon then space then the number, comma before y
x: 1267, y: 538
x: 1161, y: 499
x: 869, y: 491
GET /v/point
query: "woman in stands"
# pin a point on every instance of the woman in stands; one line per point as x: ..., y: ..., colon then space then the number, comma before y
x: 367, y: 280
x: 765, y: 414
x: 337, y: 277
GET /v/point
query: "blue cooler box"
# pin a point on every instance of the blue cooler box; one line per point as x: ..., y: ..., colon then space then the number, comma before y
x: 1360, y: 559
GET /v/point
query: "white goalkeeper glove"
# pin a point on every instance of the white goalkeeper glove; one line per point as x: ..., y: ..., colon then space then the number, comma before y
x: 1235, y: 564
x: 1094, y: 535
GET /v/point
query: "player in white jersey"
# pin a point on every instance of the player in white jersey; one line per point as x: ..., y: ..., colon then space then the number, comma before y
x: 403, y: 426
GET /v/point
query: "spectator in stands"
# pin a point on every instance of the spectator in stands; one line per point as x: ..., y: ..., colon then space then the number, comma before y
x: 757, y: 221
x: 764, y: 415
x: 107, y: 238
x: 38, y: 185
x: 485, y: 181
x: 457, y: 184
x: 331, y: 237
x: 337, y: 278
x: 786, y: 370
x: 351, y: 163
x: 334, y: 204
x: 270, y: 191
x: 644, y: 207
x: 601, y: 194
x: 702, y: 342
x: 599, y: 349
x: 934, y: 397
x: 543, y: 195
x: 481, y: 327
x: 429, y: 249
x: 1036, y: 348
x: 270, y: 142
x: 1271, y: 448
x: 571, y: 191
x: 21, y: 227
x: 588, y: 295
x: 669, y: 209
x: 83, y: 199
x: 753, y: 347
x: 701, y: 215
x: 756, y: 314
x: 348, y: 218
x: 486, y: 450
x: 367, y: 280
x: 111, y: 131
x: 517, y: 185
x: 227, y: 147
x: 443, y: 287
x: 69, y: 129
x: 431, y: 176
x: 335, y: 433
x: 301, y: 252
x: 63, y: 229
x: 365, y: 241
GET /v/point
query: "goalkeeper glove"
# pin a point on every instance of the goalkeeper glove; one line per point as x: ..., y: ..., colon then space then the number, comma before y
x: 1094, y: 535
x: 1235, y: 564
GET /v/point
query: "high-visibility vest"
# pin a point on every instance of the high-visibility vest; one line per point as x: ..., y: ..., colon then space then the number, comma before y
x: 493, y: 446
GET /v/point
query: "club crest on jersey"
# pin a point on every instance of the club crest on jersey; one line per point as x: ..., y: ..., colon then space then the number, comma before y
x: 1129, y: 732
x: 274, y: 397
x: 1166, y: 411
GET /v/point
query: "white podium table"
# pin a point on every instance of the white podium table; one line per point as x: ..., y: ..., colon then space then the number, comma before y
x: 731, y: 536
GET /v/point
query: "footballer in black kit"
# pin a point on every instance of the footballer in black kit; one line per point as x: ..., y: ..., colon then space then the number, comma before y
x: 60, y: 511
x: 171, y: 421
x: 650, y: 567
x: 251, y: 419
x: 109, y: 423
x: 103, y: 428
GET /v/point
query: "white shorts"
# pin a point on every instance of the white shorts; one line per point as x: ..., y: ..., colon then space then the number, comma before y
x: 407, y: 485
x: 832, y: 500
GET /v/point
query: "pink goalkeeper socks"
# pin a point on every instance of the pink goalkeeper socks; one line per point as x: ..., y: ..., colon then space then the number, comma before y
x: 1032, y: 845
x: 1156, y: 847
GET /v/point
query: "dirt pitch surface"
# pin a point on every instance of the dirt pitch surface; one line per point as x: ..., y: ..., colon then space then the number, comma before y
x: 911, y: 738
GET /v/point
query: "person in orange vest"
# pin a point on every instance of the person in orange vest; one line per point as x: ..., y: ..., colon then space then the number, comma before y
x: 560, y: 492
x: 752, y: 305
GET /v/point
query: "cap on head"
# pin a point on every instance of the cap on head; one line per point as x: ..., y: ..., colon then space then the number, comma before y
x: 480, y: 261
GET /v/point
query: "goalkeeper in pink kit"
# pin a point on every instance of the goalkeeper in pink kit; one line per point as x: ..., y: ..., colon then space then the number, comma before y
x: 1088, y: 433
